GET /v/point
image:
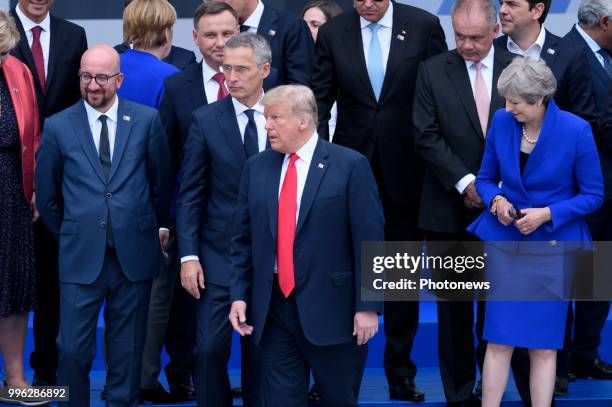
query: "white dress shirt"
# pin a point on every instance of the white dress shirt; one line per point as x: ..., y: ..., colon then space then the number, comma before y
x: 533, y: 51
x: 593, y: 45
x: 258, y: 116
x: 95, y: 125
x: 45, y: 34
x: 384, y: 35
x: 253, y: 20
x: 486, y: 69
x: 302, y: 164
x: 211, y: 86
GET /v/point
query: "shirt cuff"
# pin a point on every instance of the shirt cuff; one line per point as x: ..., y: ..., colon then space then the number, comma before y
x: 164, y: 229
x: 189, y: 258
x: 464, y: 182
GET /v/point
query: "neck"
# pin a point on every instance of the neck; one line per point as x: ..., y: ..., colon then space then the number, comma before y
x: 159, y: 52
x: 594, y: 33
x: 250, y: 101
x: 534, y: 126
x: 248, y: 10
x: 525, y: 38
x: 36, y: 20
x: 104, y: 109
x: 212, y: 64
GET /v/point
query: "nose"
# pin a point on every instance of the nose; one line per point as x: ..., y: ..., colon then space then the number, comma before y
x: 268, y: 124
x: 508, y: 106
x: 93, y: 85
x: 220, y: 41
x: 502, y: 8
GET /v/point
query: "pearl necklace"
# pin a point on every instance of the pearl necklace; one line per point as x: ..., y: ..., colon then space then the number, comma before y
x: 527, y: 139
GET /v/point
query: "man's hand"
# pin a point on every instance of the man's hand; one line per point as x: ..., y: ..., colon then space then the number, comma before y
x: 237, y: 317
x: 164, y: 238
x: 192, y: 277
x: 35, y: 214
x: 365, y: 326
x: 532, y: 219
x: 471, y: 199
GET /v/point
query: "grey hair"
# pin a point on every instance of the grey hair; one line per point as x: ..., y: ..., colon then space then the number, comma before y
x: 467, y: 6
x: 300, y: 98
x: 259, y: 45
x: 591, y: 11
x: 528, y: 78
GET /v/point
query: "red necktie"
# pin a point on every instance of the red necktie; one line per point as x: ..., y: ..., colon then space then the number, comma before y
x: 37, y: 53
x: 287, y: 206
x: 219, y: 77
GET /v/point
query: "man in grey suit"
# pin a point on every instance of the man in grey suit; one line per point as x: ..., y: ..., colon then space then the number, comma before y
x: 103, y: 188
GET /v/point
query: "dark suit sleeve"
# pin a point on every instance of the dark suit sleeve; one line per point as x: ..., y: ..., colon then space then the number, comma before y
x: 158, y: 171
x: 169, y: 119
x: 324, y: 83
x: 580, y: 91
x: 241, y: 249
x: 436, y: 43
x: 365, y: 214
x: 49, y: 173
x: 191, y: 199
x: 489, y: 175
x: 604, y: 140
x: 429, y: 143
x: 299, y: 52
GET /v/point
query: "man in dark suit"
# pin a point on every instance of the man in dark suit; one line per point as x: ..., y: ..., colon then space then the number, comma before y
x: 51, y: 47
x: 456, y: 96
x: 289, y: 37
x: 593, y: 32
x: 522, y: 23
x: 373, y: 80
x: 303, y: 211
x: 103, y: 186
x: 222, y: 137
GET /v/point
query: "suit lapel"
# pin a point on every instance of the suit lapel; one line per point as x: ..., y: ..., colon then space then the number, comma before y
x: 82, y: 131
x: 501, y: 60
x: 195, y: 85
x: 56, y: 45
x: 268, y: 25
x: 316, y: 172
x: 354, y: 51
x: 125, y: 117
x: 229, y: 127
x: 400, y: 29
x: 457, y: 72
x: 24, y: 49
x: 549, y: 50
x: 273, y: 176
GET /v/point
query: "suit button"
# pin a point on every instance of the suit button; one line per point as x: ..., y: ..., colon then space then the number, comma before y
x: 102, y: 225
x: 109, y: 195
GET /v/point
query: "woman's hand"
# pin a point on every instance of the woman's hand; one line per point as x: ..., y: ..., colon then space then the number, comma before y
x: 503, y: 211
x: 35, y: 214
x: 532, y: 219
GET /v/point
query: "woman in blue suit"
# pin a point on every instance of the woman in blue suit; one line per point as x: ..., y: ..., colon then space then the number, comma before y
x: 540, y: 176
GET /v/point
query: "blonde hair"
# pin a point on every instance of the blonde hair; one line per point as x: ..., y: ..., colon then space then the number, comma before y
x: 145, y: 22
x: 9, y: 36
x: 300, y: 98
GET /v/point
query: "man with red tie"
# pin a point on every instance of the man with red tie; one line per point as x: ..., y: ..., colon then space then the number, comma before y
x: 304, y: 209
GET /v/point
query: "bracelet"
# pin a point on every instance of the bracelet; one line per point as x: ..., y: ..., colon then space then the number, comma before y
x: 494, y: 204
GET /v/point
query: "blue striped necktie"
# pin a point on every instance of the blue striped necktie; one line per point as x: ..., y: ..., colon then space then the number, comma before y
x: 376, y: 71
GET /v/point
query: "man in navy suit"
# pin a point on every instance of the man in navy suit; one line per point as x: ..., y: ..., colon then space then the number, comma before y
x: 304, y: 210
x: 222, y: 137
x: 53, y: 56
x: 289, y: 37
x: 594, y: 32
x: 522, y: 23
x: 103, y: 186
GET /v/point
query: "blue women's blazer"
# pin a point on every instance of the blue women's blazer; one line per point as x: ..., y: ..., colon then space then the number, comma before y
x: 563, y: 173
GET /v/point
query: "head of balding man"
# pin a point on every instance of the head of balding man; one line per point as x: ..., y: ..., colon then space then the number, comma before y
x: 100, y: 77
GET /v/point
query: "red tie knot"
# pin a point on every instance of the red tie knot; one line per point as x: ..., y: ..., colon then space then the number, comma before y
x: 219, y: 77
x: 36, y: 32
x: 293, y: 157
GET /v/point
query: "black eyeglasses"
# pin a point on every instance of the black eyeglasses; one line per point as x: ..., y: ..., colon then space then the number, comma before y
x: 101, y: 79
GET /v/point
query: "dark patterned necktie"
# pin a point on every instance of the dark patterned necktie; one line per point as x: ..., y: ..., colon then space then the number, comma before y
x: 607, y: 61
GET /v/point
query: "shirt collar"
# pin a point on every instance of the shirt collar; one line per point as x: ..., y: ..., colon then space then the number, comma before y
x: 487, y: 61
x: 539, y: 43
x: 29, y: 24
x: 93, y: 114
x: 207, y: 72
x: 307, y: 150
x: 240, y: 108
x: 255, y: 17
x: 385, y: 21
x: 587, y: 38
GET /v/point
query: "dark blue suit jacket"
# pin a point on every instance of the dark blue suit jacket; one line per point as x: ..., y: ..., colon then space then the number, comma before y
x: 213, y: 160
x: 291, y: 43
x: 563, y: 173
x: 339, y: 210
x: 75, y: 199
x: 568, y: 62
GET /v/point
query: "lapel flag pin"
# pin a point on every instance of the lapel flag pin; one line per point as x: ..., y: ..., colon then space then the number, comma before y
x: 126, y: 118
x: 321, y: 166
x: 271, y: 33
x: 551, y: 51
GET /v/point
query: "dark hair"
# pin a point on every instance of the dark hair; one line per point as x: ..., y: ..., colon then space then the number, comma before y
x: 532, y: 4
x: 212, y: 8
x: 329, y: 8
